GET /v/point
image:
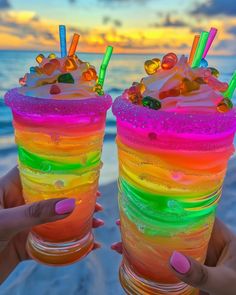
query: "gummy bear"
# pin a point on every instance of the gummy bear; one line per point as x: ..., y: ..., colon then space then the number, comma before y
x: 203, y: 63
x: 214, y: 72
x: 49, y: 68
x: 70, y: 64
x: 151, y: 103
x: 188, y: 86
x: 75, y: 57
x: 55, y: 89
x: 98, y: 88
x: 66, y: 78
x: 169, y: 93
x: 134, y: 94
x: 169, y: 61
x: 38, y: 70
x: 39, y: 58
x: 200, y: 80
x: 89, y: 75
x: 23, y: 80
x: 151, y: 66
x: 55, y: 62
x: 225, y: 105
x: 32, y: 70
x: 216, y: 84
x: 142, y: 87
x: 52, y: 55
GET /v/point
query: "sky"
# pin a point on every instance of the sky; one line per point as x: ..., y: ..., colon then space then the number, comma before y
x: 131, y: 26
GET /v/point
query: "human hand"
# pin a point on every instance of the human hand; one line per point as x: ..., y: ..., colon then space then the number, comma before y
x: 218, y: 275
x: 16, y: 219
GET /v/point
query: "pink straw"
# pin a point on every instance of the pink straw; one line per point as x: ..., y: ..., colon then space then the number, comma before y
x: 211, y: 37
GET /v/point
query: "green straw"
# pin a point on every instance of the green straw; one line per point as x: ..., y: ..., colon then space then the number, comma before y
x: 200, y: 49
x: 105, y: 62
x: 232, y: 85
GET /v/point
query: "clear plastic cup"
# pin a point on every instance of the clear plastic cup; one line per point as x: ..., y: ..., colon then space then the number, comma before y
x: 59, y: 155
x: 171, y: 171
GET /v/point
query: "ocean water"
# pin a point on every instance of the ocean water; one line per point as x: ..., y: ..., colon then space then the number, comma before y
x: 97, y: 274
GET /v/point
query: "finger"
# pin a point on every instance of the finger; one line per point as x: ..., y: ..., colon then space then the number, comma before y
x: 11, y: 189
x: 208, y: 279
x: 118, y: 222
x: 96, y: 246
x: 16, y: 219
x: 98, y: 207
x: 98, y: 194
x: 220, y: 238
x: 97, y: 222
x: 117, y: 247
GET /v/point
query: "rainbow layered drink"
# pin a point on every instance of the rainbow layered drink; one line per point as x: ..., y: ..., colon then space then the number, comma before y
x: 175, y: 133
x: 59, y: 122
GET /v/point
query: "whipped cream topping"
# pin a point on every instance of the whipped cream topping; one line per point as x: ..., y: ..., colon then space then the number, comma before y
x: 203, y: 91
x: 39, y: 81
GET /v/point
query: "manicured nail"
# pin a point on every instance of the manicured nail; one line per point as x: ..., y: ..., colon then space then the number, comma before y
x: 98, y: 207
x: 65, y: 206
x: 97, y: 222
x: 96, y: 246
x: 117, y: 247
x: 118, y: 222
x: 180, y: 263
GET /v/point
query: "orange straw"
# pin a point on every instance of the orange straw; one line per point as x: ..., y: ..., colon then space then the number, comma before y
x: 193, y: 50
x: 73, y: 45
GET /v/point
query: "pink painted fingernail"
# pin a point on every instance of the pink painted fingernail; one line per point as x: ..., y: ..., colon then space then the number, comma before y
x: 117, y: 247
x: 180, y: 263
x: 65, y: 206
x: 118, y: 222
x: 96, y: 246
x: 98, y: 222
x: 98, y: 207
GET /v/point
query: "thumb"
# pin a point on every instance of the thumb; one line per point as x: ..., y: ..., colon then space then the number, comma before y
x: 14, y: 220
x: 195, y: 274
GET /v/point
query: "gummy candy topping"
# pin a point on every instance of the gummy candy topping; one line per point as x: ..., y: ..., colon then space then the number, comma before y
x: 172, y: 85
x: 60, y: 78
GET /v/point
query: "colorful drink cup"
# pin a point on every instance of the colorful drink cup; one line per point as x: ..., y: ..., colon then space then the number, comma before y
x: 173, y: 150
x: 59, y: 121
x: 59, y: 155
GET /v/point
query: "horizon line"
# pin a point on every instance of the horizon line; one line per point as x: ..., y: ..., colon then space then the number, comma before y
x: 120, y: 53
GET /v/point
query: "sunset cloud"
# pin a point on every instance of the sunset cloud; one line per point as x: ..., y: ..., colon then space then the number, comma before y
x: 108, y: 20
x: 4, y: 4
x: 170, y: 22
x: 216, y: 7
x: 122, y: 28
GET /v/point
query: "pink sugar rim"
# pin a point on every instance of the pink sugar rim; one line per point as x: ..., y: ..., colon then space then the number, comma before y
x: 34, y: 105
x: 162, y: 121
